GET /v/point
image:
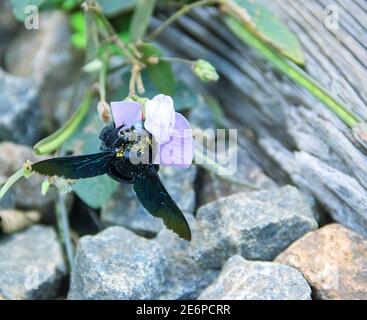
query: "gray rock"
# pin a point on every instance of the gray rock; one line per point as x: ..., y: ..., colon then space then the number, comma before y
x: 117, y: 264
x: 46, y: 56
x: 257, y: 225
x: 124, y: 208
x: 26, y: 193
x: 255, y: 280
x: 31, y: 264
x: 184, y: 278
x: 40, y: 53
x: 19, y: 110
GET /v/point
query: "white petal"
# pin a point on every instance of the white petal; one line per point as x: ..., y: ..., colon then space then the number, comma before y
x: 160, y: 117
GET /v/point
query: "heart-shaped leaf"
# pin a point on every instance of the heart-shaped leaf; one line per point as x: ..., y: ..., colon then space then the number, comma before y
x: 161, y: 73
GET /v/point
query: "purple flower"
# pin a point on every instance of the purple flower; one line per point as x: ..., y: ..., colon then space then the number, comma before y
x: 126, y: 113
x: 170, y: 129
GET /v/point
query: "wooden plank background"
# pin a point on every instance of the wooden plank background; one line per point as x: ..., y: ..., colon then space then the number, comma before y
x: 290, y: 135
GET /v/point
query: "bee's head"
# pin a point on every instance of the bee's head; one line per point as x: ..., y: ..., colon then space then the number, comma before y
x: 135, y: 134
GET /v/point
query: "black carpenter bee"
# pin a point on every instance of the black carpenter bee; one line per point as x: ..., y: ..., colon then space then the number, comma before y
x: 126, y: 156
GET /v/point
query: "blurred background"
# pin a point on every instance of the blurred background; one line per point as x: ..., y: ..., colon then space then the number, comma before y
x: 292, y: 83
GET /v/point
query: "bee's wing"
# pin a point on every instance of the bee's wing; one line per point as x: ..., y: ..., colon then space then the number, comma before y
x: 75, y: 167
x: 155, y: 198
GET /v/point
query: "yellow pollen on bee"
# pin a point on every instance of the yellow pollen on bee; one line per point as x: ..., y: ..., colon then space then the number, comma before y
x: 119, y: 153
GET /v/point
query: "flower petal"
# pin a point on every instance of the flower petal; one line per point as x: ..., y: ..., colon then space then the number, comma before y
x: 125, y: 113
x: 160, y: 117
x: 179, y: 150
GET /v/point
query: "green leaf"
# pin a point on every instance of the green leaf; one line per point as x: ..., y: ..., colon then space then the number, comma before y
x: 162, y: 77
x: 9, y: 183
x: 114, y: 7
x: 93, y: 191
x: 79, y: 36
x: 79, y: 40
x: 70, y: 4
x: 139, y: 23
x: 45, y: 186
x: 269, y: 28
x: 91, y: 27
x: 96, y: 191
x: 55, y: 140
x: 77, y: 21
x: 161, y: 74
x: 112, y: 48
x: 19, y: 7
x: 293, y: 72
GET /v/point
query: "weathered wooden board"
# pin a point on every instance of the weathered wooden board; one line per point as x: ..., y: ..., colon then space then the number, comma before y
x: 297, y: 138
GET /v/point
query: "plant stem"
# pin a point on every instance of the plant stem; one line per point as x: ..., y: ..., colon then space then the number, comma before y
x: 114, y: 36
x: 134, y: 76
x: 118, y: 67
x: 131, y: 54
x: 91, y: 27
x: 214, y: 167
x: 94, y: 217
x: 55, y: 140
x: 64, y: 229
x: 175, y: 59
x: 178, y: 14
x: 139, y: 83
x: 102, y: 81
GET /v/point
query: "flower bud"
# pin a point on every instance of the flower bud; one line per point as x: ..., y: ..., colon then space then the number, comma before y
x: 153, y: 60
x: 93, y: 66
x: 45, y: 186
x: 27, y: 169
x: 104, y: 112
x: 205, y: 71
